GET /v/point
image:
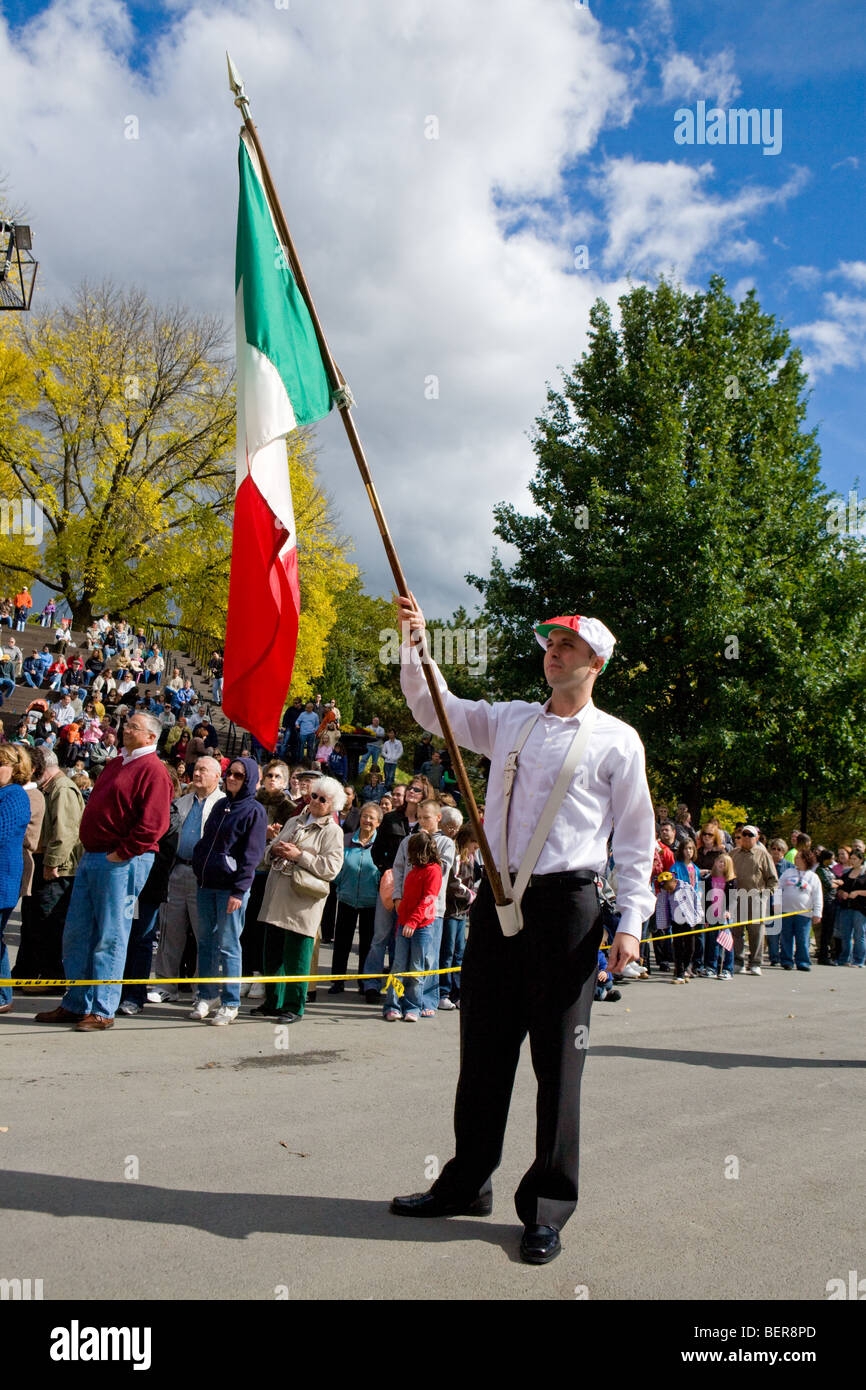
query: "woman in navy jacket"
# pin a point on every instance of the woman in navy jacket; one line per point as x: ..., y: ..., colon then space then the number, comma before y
x: 224, y: 862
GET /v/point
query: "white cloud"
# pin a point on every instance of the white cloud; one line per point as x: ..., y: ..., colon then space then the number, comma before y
x: 807, y: 277
x: 401, y: 237
x: 855, y: 271
x: 448, y: 257
x: 661, y: 217
x: 838, y: 339
x: 715, y: 81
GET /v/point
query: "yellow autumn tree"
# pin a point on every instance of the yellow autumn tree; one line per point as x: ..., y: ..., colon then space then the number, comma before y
x: 124, y: 440
x: 117, y: 419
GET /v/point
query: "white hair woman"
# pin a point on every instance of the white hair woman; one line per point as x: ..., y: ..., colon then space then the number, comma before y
x: 304, y: 858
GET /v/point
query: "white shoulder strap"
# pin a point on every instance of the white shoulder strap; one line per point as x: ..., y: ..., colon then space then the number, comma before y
x: 507, y: 786
x: 548, y: 815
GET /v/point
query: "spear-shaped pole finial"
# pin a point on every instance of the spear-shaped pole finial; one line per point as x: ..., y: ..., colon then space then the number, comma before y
x: 236, y: 83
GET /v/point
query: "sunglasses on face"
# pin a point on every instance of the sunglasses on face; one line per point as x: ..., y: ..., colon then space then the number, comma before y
x: 317, y: 796
x: 231, y: 773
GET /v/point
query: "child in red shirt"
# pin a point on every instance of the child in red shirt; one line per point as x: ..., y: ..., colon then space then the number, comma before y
x: 416, y: 911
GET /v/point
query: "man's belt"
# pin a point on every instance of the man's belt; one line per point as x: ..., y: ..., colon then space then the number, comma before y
x: 569, y: 878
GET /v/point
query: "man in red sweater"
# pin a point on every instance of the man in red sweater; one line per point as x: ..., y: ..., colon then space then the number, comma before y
x: 125, y: 818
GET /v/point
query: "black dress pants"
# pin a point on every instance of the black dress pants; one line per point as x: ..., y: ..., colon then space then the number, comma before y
x: 46, y: 918
x: 253, y: 931
x: 539, y: 982
x: 344, y: 935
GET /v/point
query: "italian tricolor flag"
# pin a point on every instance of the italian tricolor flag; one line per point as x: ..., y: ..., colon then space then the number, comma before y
x: 281, y: 384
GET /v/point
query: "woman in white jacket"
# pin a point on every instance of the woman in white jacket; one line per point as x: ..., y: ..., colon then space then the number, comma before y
x: 304, y: 858
x: 801, y: 895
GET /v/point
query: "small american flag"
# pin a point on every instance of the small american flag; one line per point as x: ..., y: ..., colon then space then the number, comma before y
x: 725, y: 940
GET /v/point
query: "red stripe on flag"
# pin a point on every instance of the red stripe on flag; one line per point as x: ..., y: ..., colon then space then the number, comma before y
x: 262, y: 626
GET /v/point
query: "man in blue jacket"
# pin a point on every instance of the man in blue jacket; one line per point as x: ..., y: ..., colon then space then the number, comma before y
x: 224, y: 862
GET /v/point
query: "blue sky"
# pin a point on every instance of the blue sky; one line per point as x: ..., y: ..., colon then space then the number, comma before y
x: 455, y: 257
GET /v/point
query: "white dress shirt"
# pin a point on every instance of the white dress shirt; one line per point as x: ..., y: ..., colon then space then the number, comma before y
x: 609, y: 788
x: 128, y: 756
x: 62, y: 714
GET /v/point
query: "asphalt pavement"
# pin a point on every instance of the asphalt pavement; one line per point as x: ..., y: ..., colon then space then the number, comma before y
x: 722, y: 1152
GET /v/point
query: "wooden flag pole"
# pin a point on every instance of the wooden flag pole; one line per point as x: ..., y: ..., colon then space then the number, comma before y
x: 339, y: 381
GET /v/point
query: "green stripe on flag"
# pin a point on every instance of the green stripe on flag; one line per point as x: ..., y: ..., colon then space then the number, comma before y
x: 276, y: 318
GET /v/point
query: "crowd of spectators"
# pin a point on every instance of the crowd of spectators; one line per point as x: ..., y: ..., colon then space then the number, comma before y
x: 723, y: 898
x: 187, y: 864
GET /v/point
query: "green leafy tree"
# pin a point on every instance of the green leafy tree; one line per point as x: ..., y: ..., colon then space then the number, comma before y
x: 678, y: 498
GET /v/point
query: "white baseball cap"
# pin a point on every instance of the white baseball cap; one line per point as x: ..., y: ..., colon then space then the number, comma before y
x: 599, y: 637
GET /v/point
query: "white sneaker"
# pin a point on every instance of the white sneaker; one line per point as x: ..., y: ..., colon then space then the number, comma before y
x: 446, y: 1004
x: 633, y: 971
x: 161, y: 996
x: 256, y: 990
x: 130, y: 1008
x: 224, y: 1015
x: 201, y: 1010
x: 740, y: 970
x: 755, y: 970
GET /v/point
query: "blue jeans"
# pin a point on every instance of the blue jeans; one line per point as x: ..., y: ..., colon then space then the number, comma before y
x: 5, y: 990
x: 390, y: 774
x: 371, y: 756
x: 35, y: 684
x: 430, y: 990
x: 216, y: 691
x: 139, y: 951
x: 794, y: 940
x: 7, y: 685
x: 851, y: 925
x: 410, y: 953
x: 383, y: 940
x: 219, y: 943
x: 308, y: 746
x: 96, y: 934
x: 451, y: 953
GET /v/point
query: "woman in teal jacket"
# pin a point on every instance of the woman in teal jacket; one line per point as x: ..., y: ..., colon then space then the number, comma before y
x: 357, y: 886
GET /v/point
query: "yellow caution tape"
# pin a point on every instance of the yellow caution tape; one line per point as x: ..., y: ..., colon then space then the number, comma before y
x: 157, y: 981
x: 392, y: 979
x: 699, y: 931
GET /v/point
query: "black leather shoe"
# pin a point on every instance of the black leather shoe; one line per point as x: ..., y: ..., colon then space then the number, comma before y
x: 287, y: 1018
x: 430, y: 1204
x: 266, y: 1010
x: 539, y: 1245
x: 372, y: 996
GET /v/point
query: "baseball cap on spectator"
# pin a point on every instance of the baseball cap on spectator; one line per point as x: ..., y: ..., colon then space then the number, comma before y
x: 750, y: 830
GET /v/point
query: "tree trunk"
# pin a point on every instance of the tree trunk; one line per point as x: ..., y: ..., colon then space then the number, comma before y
x: 82, y: 612
x: 804, y: 806
x: 694, y: 792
